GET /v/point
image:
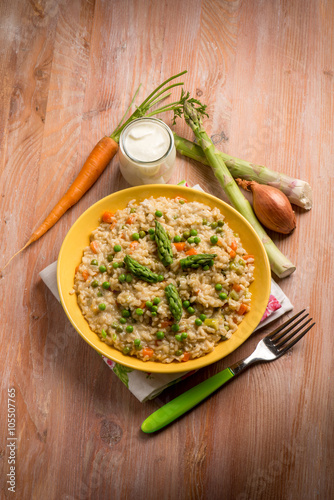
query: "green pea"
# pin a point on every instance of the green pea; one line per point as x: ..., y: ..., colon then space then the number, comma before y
x: 119, y: 329
x: 186, y: 235
x: 186, y: 304
x: 206, y: 268
x: 175, y: 327
x: 179, y: 352
x: 149, y: 304
x: 182, y: 202
x: 160, y: 335
x: 94, y: 262
x: 129, y: 329
x: 121, y: 278
x: 136, y: 342
x: 219, y: 230
x: 152, y: 237
x: 184, y: 335
x: 197, y: 240
x: 214, y: 239
x: 122, y: 321
x: 218, y: 286
x: 135, y: 236
x: 221, y: 223
x: 99, y: 294
x: 191, y: 240
x: 126, y: 350
x: 132, y: 210
x: 160, y: 277
x: 128, y: 278
x: 177, y: 238
x: 198, y: 322
x: 114, y: 325
x: 103, y: 333
x: 190, y: 310
x: 202, y: 317
x: 94, y: 283
x: 151, y: 231
x: 110, y: 257
x: 222, y: 296
x: 193, y: 232
x: 102, y: 269
x: 178, y: 337
x: 158, y: 213
x: 102, y: 306
x: 126, y: 313
x: 115, y: 265
x: 106, y: 285
x: 156, y: 301
x: 214, y: 225
x: 117, y: 248
x: 142, y: 234
x: 154, y: 313
x: 204, y: 222
x: 139, y: 311
x: 154, y: 309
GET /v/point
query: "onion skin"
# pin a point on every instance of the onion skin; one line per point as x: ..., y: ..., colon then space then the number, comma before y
x: 271, y: 207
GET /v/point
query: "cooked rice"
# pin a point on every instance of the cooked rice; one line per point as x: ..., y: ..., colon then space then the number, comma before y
x: 197, y: 286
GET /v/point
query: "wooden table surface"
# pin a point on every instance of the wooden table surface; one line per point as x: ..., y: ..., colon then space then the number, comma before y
x: 68, y: 71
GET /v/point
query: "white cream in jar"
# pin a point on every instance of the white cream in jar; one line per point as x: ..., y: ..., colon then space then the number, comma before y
x: 147, y: 152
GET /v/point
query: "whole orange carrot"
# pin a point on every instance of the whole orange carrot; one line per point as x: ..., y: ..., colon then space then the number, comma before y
x: 98, y: 160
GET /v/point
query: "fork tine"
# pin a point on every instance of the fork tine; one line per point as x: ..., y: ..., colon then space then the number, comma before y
x: 293, y: 331
x: 288, y: 330
x: 280, y: 328
x: 293, y: 342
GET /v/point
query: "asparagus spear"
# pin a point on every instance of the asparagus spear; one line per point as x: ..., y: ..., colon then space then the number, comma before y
x: 142, y: 272
x: 298, y: 192
x: 195, y: 261
x: 280, y: 265
x: 165, y: 251
x: 174, y: 301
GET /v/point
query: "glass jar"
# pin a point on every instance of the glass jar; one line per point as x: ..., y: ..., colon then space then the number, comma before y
x: 147, y: 152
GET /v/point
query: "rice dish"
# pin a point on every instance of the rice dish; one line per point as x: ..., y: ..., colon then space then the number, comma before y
x: 139, y: 288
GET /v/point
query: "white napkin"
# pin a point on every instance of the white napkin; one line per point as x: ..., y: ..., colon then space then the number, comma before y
x: 145, y: 386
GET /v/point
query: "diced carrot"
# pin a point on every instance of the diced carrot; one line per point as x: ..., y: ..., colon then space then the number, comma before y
x: 94, y: 246
x: 237, y: 287
x: 133, y: 245
x: 111, y: 227
x: 234, y: 245
x: 186, y: 356
x: 178, y: 198
x: 220, y: 243
x: 180, y: 246
x: 147, y: 351
x: 246, y: 257
x: 142, y: 305
x: 131, y: 219
x: 242, y: 309
x: 77, y: 269
x: 166, y: 323
x: 232, y: 254
x: 191, y: 251
x: 85, y: 274
x: 107, y: 217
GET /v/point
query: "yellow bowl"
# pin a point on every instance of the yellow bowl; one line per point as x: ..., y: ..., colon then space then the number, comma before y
x: 78, y: 238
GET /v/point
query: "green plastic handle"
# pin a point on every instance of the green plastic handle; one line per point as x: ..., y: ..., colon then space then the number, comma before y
x: 180, y: 405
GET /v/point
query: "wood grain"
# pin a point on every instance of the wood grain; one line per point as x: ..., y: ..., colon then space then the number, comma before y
x: 68, y: 72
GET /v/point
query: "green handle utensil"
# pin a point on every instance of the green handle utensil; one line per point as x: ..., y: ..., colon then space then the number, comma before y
x: 180, y: 405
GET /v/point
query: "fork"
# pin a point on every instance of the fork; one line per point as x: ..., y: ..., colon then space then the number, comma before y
x: 271, y: 347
